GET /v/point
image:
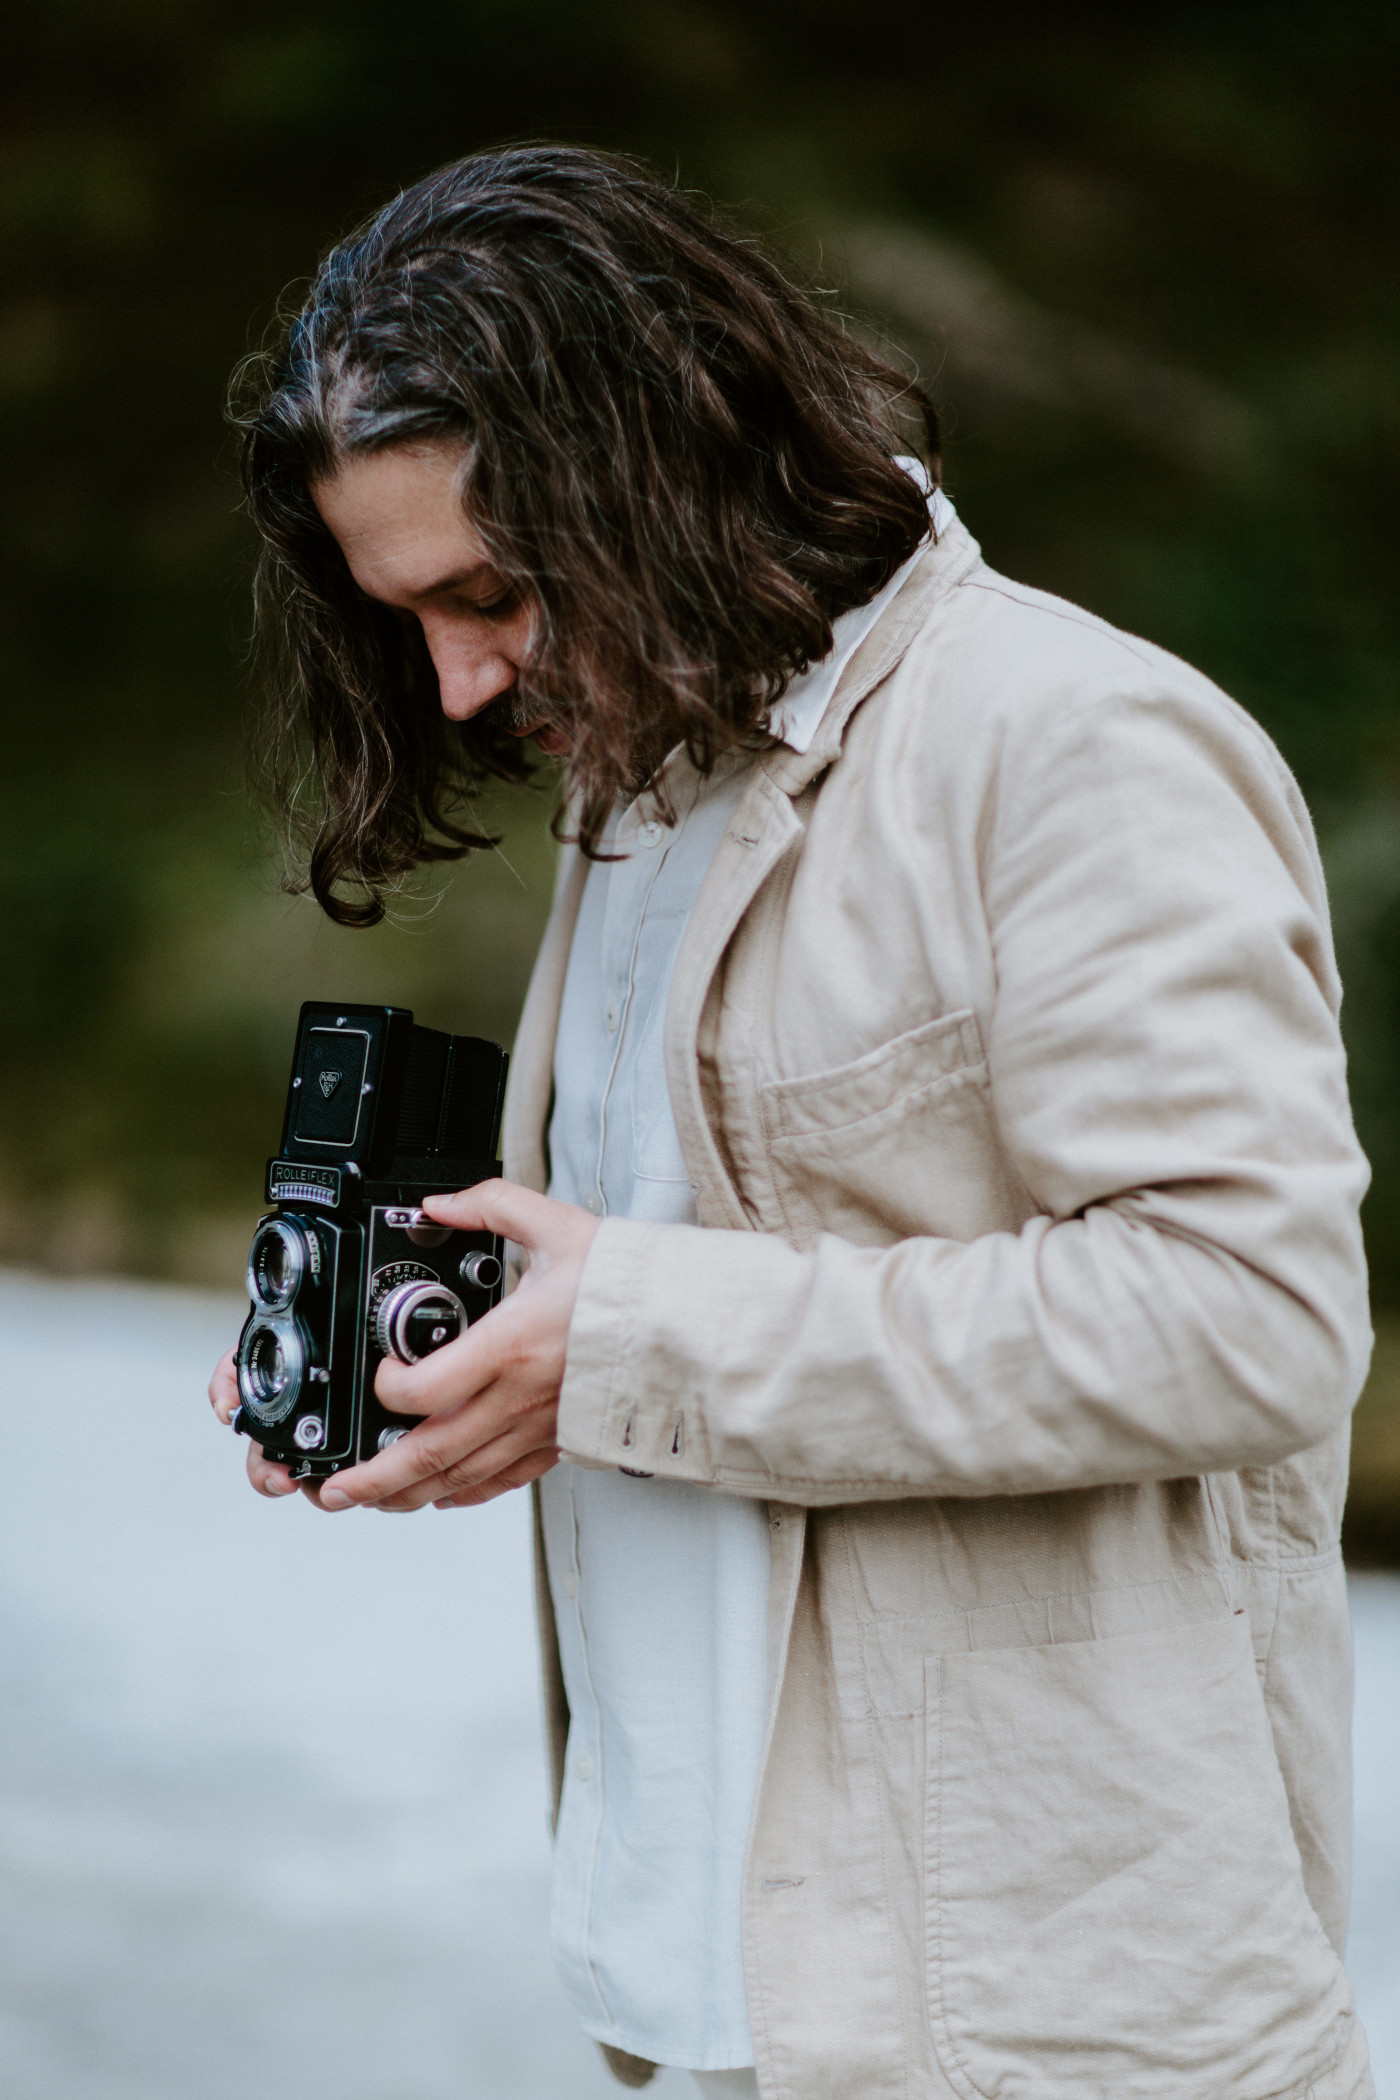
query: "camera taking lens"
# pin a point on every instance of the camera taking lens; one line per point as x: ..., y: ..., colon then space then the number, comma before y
x: 271, y: 1361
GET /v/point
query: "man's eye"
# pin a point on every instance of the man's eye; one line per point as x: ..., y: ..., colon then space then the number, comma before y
x: 496, y: 608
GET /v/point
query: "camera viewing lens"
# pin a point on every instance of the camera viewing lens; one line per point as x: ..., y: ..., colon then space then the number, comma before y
x: 276, y: 1263
x: 271, y: 1364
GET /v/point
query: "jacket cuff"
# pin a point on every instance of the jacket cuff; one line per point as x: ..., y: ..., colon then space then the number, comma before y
x: 610, y: 1415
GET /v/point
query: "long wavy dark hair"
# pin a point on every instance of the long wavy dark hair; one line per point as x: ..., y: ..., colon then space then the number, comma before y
x: 680, y: 458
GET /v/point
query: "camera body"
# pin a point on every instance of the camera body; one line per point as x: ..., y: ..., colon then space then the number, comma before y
x: 347, y: 1269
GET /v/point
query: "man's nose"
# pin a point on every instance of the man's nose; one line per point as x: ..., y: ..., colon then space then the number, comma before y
x: 469, y: 677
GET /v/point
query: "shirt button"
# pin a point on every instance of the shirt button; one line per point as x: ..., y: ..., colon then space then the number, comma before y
x: 650, y: 834
x: 591, y: 1202
x: 584, y: 1766
x: 611, y: 1019
x: 571, y: 1584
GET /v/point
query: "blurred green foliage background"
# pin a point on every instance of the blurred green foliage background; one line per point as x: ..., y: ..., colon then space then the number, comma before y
x: 1146, y: 258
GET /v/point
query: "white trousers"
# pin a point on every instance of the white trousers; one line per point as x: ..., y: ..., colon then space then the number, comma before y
x: 727, y: 2085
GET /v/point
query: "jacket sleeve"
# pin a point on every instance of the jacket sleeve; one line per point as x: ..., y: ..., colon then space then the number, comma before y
x: 1168, y: 1081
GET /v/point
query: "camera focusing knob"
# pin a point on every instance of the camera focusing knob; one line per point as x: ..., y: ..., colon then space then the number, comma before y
x: 417, y: 1318
x: 310, y: 1433
x: 389, y: 1437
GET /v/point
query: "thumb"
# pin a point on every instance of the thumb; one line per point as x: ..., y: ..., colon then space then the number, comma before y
x: 498, y: 1206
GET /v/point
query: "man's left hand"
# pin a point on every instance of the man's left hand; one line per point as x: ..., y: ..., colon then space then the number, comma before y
x: 492, y: 1396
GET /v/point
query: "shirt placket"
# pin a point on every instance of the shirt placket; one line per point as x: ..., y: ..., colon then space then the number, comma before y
x: 586, y: 1763
x: 631, y: 884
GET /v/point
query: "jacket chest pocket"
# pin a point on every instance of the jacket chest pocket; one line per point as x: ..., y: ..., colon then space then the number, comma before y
x: 899, y: 1142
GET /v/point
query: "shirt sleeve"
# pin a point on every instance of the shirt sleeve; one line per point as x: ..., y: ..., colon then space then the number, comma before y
x: 1168, y: 1079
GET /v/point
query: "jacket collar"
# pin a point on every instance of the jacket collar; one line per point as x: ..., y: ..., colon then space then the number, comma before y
x: 761, y: 830
x: 943, y: 565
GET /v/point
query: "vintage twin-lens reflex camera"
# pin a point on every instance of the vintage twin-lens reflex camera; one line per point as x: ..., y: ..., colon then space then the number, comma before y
x: 348, y: 1269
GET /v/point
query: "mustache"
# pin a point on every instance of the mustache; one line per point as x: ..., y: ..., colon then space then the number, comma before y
x: 518, y: 713
x: 524, y: 712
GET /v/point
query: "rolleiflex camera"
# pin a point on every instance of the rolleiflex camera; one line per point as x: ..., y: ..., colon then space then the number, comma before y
x: 347, y: 1269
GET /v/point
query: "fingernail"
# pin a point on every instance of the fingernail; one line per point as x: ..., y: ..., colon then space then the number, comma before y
x: 278, y: 1484
x: 334, y: 1498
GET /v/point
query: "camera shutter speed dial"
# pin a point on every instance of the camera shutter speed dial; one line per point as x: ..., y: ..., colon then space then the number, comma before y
x: 417, y: 1318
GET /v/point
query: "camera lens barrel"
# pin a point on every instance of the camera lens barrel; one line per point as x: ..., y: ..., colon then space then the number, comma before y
x: 277, y: 1262
x: 271, y: 1369
x: 418, y: 1318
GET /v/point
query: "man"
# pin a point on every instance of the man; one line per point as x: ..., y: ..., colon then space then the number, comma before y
x: 934, y: 1349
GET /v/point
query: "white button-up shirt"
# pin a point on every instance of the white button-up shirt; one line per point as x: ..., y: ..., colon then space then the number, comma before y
x: 660, y: 1588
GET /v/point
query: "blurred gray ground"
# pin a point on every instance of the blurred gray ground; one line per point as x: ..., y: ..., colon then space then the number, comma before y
x: 271, y: 1793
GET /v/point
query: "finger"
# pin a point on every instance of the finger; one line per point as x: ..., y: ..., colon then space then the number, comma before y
x: 519, y: 1475
x: 470, y: 1476
x: 509, y: 1460
x: 223, y: 1388
x: 312, y: 1490
x: 420, y: 1454
x: 503, y: 1207
x: 450, y: 1376
x: 267, y: 1478
x: 440, y: 1447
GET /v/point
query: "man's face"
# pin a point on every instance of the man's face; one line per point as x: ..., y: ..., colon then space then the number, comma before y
x: 397, y: 517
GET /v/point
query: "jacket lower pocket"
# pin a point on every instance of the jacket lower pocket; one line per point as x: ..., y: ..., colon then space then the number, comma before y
x: 1115, y: 1903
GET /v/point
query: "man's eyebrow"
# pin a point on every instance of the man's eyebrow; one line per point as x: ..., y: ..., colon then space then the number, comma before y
x: 453, y: 581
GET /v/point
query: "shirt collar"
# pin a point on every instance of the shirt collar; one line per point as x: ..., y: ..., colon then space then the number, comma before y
x: 797, y: 716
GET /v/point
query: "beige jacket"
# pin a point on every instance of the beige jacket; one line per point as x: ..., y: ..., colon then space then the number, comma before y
x: 1029, y: 1296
